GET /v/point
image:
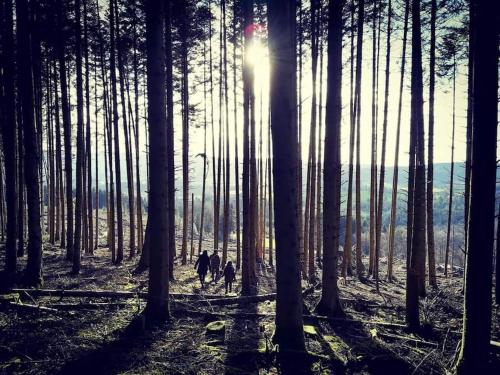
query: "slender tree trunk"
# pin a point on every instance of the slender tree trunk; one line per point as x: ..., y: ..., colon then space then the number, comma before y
x: 380, y: 203
x: 236, y: 152
x: 360, y: 269
x: 185, y: 133
x: 452, y: 170
x: 312, y: 146
x: 289, y: 326
x: 248, y: 285
x: 228, y: 163
x: 475, y: 345
x: 50, y: 156
x: 300, y: 211
x: 204, y: 157
x: 88, y: 149
x: 497, y: 261
x: 392, y: 228
x: 96, y: 236
x: 270, y: 200
x: 20, y: 183
x: 157, y: 309
x: 128, y: 156
x: 59, y: 164
x: 66, y: 114
x: 470, y: 110
x: 79, y: 207
x: 430, y: 154
x: 114, y: 102
x: 373, y: 168
x: 140, y: 226
x: 346, y: 264
x: 170, y: 138
x: 319, y: 168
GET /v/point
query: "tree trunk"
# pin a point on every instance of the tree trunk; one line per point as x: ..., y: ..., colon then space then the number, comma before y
x: 31, y: 147
x: 319, y: 164
x: 170, y: 138
x: 236, y: 152
x: 203, y: 157
x: 228, y: 162
x: 128, y: 155
x: 59, y: 168
x: 430, y: 154
x: 360, y: 269
x: 140, y: 226
x: 417, y: 233
x: 289, y: 332
x: 380, y: 203
x: 373, y: 168
x: 329, y: 303
x: 157, y: 309
x: 9, y: 139
x: 452, y: 169
x: 114, y: 102
x: 185, y: 132
x: 248, y: 280
x: 346, y: 264
x: 61, y: 19
x: 468, y: 152
x: 312, y: 146
x: 392, y: 228
x: 474, y: 351
x: 497, y: 261
x: 79, y: 207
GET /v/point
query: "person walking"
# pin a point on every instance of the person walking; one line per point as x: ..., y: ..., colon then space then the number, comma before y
x: 202, y: 264
x: 229, y: 276
x: 215, y: 265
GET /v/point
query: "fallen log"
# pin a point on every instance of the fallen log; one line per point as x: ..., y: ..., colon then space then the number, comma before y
x: 211, y: 300
x: 105, y: 294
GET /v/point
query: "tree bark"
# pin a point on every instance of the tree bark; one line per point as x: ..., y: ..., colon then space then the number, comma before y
x: 79, y: 207
x: 329, y: 303
x: 9, y: 138
x: 392, y: 229
x: 380, y: 203
x: 289, y: 332
x: 417, y: 233
x: 430, y: 154
x: 452, y: 169
x: 31, y: 146
x: 157, y: 308
x: 128, y: 155
x: 360, y: 269
x: 114, y: 103
x: 474, y: 351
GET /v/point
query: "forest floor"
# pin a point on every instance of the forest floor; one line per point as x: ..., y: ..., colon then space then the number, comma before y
x: 104, y: 335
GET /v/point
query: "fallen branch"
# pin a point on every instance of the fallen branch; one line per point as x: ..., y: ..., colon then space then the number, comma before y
x: 407, y: 338
x: 31, y: 308
x: 91, y: 305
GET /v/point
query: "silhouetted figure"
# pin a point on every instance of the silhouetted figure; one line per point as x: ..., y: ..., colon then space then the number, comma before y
x: 215, y: 265
x: 229, y: 276
x: 202, y: 265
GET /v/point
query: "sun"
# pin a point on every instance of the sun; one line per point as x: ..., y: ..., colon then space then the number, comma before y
x: 257, y: 54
